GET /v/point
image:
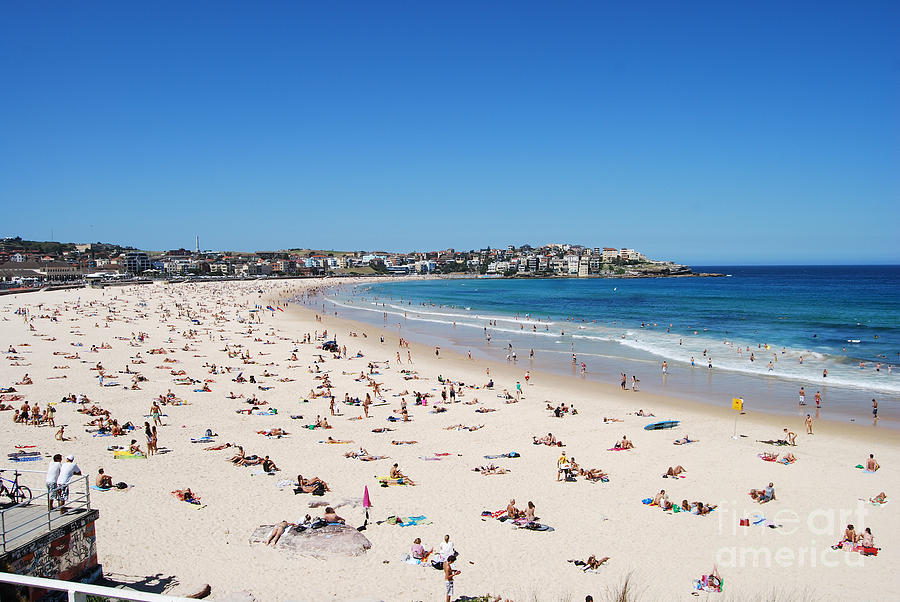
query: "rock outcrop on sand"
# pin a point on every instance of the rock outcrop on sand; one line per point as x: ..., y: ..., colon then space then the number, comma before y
x: 330, y: 540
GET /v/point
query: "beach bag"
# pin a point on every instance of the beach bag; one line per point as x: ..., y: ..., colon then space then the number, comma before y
x: 121, y: 485
x: 319, y: 490
x: 209, y: 433
x: 745, y: 522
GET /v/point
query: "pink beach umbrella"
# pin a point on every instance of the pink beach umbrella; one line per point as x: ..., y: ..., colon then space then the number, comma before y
x: 367, y: 503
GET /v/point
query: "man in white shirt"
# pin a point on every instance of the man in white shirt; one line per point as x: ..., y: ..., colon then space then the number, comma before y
x: 52, y: 476
x: 66, y: 471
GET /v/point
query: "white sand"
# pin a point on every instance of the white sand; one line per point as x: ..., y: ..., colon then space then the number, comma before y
x: 145, y: 531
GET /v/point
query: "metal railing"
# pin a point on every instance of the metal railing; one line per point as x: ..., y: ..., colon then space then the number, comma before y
x: 79, y: 592
x: 21, y: 520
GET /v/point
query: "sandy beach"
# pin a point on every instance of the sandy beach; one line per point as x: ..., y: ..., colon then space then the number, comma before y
x: 145, y: 531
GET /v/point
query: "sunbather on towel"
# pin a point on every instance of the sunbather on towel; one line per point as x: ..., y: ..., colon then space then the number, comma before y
x: 763, y: 495
x: 661, y: 499
x: 591, y: 563
x: 186, y: 495
x: 489, y: 470
x: 684, y: 440
x: 881, y: 498
x: 280, y: 528
x: 592, y: 474
x: 625, y: 443
x: 310, y: 485
x: 103, y: 481
x: 396, y: 474
x: 674, y: 472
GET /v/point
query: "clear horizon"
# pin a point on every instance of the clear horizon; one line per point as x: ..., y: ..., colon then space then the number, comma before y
x: 708, y: 135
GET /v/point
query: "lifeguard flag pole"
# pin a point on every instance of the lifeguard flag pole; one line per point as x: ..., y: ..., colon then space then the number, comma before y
x: 737, y: 404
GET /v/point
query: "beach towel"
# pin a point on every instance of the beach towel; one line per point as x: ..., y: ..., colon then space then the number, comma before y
x: 411, y: 521
x: 127, y: 456
x: 496, y: 514
x: 202, y: 440
x: 26, y: 459
x: 618, y: 449
x: 386, y: 481
x: 95, y: 488
x: 22, y: 454
x: 786, y: 462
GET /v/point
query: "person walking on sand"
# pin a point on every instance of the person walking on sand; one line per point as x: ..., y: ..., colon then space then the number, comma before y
x: 809, y: 430
x: 802, y: 396
x: 449, y: 574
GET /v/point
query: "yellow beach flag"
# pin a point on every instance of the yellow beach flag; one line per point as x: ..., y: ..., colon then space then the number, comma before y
x: 737, y: 404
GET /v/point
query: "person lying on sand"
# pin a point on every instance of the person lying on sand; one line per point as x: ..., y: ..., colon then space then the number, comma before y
x: 548, y: 440
x: 275, y: 432
x: 382, y: 430
x: 281, y: 527
x: 641, y: 412
x: 458, y: 427
x: 343, y: 441
x: 315, y: 486
x: 186, y: 495
x: 605, y: 419
x: 592, y: 474
x: 403, y: 442
x: 685, y: 440
x: 591, y: 563
x: 489, y: 470
x: 881, y: 498
x: 763, y: 495
x: 674, y: 472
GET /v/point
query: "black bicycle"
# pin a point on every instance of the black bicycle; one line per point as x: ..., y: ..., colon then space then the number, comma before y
x: 18, y: 494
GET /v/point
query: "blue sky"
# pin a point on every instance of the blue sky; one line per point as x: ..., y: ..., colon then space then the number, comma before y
x: 704, y: 133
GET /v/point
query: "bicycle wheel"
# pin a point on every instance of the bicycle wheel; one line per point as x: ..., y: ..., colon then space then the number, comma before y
x: 22, y: 495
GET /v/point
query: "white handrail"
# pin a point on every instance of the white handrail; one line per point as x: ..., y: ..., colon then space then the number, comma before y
x: 78, y: 592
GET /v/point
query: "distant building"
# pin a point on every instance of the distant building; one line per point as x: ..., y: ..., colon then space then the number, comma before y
x: 53, y: 271
x: 136, y: 262
x: 609, y: 254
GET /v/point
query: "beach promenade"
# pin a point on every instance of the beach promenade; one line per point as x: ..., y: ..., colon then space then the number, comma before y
x: 198, y: 345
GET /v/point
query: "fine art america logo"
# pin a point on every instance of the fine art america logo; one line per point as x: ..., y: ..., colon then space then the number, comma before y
x: 811, y: 541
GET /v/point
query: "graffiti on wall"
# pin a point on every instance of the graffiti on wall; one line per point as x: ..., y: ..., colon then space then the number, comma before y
x: 67, y: 557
